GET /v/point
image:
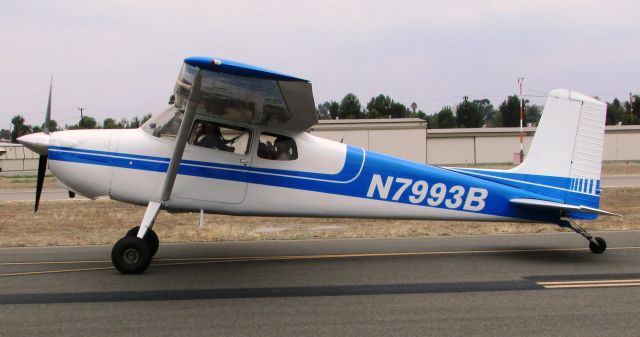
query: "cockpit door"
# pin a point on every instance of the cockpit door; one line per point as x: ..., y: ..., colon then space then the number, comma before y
x: 215, y: 162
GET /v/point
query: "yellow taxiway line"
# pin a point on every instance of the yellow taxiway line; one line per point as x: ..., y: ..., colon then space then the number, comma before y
x: 205, y: 260
x: 590, y: 284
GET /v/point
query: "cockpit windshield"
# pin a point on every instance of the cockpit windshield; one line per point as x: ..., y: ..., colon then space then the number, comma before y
x: 232, y: 97
x: 165, y: 124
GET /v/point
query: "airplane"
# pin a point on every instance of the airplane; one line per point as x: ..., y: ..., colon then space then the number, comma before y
x: 235, y: 142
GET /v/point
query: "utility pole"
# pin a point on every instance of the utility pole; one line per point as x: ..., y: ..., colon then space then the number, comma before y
x: 631, y: 105
x: 81, y: 118
x: 520, y: 80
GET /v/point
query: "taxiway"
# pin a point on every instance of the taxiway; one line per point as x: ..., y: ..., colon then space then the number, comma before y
x: 525, y: 285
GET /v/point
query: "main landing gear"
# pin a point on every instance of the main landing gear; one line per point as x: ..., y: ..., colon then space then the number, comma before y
x: 132, y: 254
x: 597, y: 245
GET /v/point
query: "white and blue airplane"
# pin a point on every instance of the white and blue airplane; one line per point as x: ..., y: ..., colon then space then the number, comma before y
x: 234, y: 142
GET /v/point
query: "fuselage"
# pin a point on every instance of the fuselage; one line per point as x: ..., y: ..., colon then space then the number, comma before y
x: 326, y: 179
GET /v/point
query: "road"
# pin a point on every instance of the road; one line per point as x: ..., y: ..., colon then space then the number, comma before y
x: 504, y: 285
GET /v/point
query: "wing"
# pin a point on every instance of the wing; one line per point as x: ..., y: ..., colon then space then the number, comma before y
x: 559, y: 206
x: 238, y: 92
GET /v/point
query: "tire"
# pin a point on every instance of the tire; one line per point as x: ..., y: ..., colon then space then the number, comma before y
x: 151, y: 239
x: 131, y: 255
x: 598, y: 248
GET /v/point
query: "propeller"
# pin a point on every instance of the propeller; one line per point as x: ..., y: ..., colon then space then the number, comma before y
x: 42, y: 161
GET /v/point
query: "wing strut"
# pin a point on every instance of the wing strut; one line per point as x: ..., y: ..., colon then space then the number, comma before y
x: 181, y: 141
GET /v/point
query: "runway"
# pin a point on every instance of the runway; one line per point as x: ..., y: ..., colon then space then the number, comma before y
x: 524, y: 285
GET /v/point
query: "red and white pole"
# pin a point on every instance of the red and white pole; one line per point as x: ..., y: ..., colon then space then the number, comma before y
x: 520, y: 80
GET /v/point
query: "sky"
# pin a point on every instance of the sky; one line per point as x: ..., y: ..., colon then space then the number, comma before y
x: 121, y: 58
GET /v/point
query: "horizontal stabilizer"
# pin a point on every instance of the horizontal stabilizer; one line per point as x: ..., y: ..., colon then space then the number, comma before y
x: 559, y: 206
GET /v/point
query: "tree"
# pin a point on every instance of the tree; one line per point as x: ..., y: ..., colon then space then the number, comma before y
x: 350, y: 107
x: 487, y: 111
x: 383, y: 106
x: 379, y: 106
x: 631, y: 115
x: 53, y: 125
x: 615, y: 111
x: 87, y: 122
x: 635, y: 106
x: 420, y: 114
x: 510, y: 111
x: 110, y: 123
x: 134, y: 124
x: 445, y: 119
x: 19, y: 128
x: 468, y: 114
x: 5, y: 134
x: 331, y: 108
x: 532, y: 114
x: 398, y: 110
x: 322, y: 110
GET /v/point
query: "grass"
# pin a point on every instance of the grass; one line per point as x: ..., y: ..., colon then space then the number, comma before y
x: 26, y: 183
x: 105, y: 221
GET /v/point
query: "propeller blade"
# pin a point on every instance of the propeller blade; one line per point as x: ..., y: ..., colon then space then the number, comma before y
x: 42, y: 168
x: 47, y: 116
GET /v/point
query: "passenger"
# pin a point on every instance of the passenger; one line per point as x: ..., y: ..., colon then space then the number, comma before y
x: 284, y: 148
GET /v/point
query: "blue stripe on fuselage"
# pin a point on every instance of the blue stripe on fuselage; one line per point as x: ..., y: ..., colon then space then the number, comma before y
x: 353, y: 180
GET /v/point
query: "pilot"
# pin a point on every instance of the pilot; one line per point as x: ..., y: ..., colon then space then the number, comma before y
x: 212, y: 138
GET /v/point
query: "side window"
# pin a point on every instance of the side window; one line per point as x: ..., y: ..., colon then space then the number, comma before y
x: 220, y: 137
x: 277, y: 147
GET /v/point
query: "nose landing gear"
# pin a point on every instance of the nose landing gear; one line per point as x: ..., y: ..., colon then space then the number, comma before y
x: 132, y: 254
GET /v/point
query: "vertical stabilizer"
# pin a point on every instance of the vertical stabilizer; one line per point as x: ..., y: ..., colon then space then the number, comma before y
x: 569, y: 144
x: 565, y: 157
x: 569, y: 139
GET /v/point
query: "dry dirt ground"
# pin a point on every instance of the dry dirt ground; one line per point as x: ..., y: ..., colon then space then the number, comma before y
x: 105, y: 221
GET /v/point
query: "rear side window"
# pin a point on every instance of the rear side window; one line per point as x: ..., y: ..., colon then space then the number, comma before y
x: 277, y: 147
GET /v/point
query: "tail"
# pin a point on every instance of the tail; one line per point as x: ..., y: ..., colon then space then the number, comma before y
x: 568, y: 141
x: 565, y: 157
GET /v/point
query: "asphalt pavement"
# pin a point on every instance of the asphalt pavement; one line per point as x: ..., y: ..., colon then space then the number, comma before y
x: 500, y: 285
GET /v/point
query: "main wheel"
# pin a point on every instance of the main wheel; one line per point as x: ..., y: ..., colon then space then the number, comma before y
x: 599, y: 246
x: 131, y: 255
x: 151, y: 238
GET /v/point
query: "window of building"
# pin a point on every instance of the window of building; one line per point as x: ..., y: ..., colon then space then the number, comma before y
x: 220, y: 137
x: 277, y: 147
